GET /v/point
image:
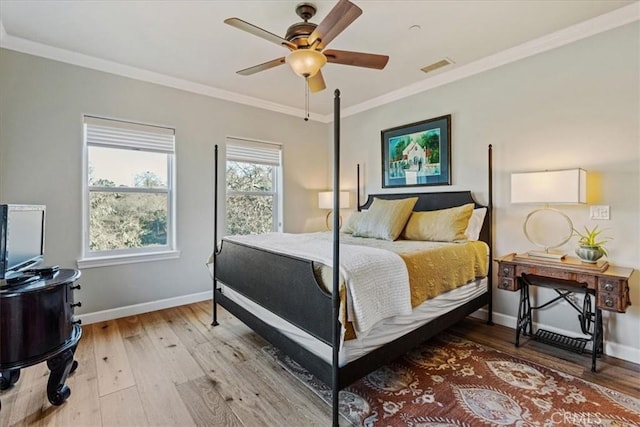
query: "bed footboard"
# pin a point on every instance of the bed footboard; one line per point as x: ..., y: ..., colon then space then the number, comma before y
x: 278, y: 283
x: 362, y: 366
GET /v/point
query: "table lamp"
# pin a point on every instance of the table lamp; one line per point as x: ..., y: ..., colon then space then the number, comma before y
x: 325, y: 201
x: 549, y: 187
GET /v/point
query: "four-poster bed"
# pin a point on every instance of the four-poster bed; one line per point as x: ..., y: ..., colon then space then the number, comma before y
x: 284, y: 299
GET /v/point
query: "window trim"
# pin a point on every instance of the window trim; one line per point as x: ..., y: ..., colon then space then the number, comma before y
x: 106, y: 261
x: 90, y: 259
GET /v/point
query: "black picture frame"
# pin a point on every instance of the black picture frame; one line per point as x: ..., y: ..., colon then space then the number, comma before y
x: 417, y: 154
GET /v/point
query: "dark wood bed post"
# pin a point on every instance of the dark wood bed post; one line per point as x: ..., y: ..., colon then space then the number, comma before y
x: 358, y: 186
x: 490, y: 219
x: 215, y: 231
x: 335, y: 368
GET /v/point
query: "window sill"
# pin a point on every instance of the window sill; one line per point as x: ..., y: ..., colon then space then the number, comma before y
x: 106, y: 261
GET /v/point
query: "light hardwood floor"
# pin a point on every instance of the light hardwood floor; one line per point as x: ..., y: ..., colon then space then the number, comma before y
x: 171, y: 367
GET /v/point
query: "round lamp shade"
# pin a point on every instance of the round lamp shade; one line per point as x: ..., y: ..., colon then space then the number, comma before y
x: 306, y: 62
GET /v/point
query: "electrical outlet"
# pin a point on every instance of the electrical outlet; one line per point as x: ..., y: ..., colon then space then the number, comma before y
x: 600, y: 212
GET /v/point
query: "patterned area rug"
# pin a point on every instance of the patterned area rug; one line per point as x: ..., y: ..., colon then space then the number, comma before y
x: 450, y: 381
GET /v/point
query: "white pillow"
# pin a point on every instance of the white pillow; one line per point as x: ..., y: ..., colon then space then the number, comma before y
x: 352, y: 222
x: 475, y: 223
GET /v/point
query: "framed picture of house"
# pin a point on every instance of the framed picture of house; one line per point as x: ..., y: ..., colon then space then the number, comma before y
x: 417, y: 154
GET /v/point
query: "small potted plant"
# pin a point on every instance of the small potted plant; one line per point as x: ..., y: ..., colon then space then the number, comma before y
x: 591, y: 245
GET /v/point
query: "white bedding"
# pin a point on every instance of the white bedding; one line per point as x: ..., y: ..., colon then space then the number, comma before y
x: 377, y: 279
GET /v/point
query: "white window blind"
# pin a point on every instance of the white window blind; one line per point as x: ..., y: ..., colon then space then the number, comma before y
x: 241, y: 150
x: 120, y: 134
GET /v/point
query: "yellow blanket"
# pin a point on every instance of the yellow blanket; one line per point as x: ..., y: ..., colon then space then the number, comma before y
x: 432, y: 270
x: 438, y: 270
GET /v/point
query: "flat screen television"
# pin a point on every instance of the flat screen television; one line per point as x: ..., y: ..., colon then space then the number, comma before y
x: 21, y: 238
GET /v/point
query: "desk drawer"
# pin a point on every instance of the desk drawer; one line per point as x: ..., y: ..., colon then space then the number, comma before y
x: 613, y: 294
x: 506, y: 270
x: 607, y: 284
x: 544, y: 271
x: 611, y: 302
x: 508, y: 283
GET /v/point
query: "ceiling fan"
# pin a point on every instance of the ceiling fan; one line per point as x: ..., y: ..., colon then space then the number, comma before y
x: 307, y: 42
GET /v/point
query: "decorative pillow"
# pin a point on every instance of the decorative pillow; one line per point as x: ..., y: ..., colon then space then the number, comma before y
x: 385, y: 219
x: 475, y: 224
x: 351, y: 222
x: 444, y: 225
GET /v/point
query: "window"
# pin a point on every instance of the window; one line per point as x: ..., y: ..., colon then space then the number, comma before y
x: 129, y: 192
x: 254, y: 182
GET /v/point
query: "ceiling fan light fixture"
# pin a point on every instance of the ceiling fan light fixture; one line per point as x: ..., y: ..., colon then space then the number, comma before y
x: 306, y: 62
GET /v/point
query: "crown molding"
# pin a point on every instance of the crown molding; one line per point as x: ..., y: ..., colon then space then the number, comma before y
x: 599, y: 24
x: 19, y: 44
x: 582, y: 30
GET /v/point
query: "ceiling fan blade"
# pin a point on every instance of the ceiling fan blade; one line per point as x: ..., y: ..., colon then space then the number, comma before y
x: 261, y: 67
x: 357, y: 59
x: 316, y: 83
x: 257, y: 31
x: 339, y: 18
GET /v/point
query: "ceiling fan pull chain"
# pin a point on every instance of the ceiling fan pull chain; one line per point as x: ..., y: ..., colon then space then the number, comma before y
x: 306, y: 99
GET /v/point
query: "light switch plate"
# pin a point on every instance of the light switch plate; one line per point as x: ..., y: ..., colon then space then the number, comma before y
x: 600, y: 212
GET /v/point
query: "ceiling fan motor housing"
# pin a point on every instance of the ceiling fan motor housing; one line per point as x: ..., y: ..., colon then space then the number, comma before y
x: 299, y: 33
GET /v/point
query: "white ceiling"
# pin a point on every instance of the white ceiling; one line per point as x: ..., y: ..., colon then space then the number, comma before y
x: 186, y: 44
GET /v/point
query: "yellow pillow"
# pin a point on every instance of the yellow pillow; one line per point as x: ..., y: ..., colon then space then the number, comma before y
x: 444, y: 225
x: 385, y: 219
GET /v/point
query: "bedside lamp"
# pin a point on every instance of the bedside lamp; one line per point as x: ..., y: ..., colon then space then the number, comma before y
x: 549, y: 187
x: 325, y: 201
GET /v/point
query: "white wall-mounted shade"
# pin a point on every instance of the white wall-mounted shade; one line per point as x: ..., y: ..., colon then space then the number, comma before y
x: 552, y: 187
x: 325, y: 199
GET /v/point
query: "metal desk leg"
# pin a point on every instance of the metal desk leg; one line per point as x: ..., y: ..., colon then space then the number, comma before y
x: 597, y: 340
x: 524, y: 311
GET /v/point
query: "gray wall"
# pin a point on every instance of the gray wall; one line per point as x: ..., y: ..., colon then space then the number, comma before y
x: 575, y: 106
x: 41, y: 108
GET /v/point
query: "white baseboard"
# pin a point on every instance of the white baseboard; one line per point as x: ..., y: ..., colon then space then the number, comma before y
x: 614, y: 349
x: 131, y: 310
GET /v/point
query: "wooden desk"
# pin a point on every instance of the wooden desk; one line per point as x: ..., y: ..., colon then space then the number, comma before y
x: 608, y: 284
